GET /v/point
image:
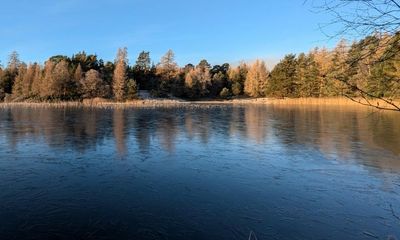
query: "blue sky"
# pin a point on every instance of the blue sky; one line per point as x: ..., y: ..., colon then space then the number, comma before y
x: 216, y: 30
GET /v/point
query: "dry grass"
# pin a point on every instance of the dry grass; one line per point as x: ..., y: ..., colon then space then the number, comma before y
x: 152, y: 103
x: 98, y: 103
x: 338, y: 101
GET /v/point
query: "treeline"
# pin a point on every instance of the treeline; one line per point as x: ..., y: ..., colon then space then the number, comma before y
x: 369, y: 66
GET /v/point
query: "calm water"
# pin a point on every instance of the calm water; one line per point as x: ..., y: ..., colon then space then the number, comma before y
x: 199, y: 173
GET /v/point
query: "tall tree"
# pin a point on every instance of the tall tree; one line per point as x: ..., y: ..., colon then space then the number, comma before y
x: 143, y: 62
x: 120, y: 74
x: 281, y: 82
x: 37, y: 82
x: 337, y: 77
x: 256, y: 79
x: 46, y: 88
x: 142, y: 70
x: 307, y: 74
x: 28, y: 80
x: 196, y: 82
x: 237, y: 77
x: 18, y: 86
x: 132, y: 89
x: 13, y: 61
x: 167, y: 72
x: 61, y: 83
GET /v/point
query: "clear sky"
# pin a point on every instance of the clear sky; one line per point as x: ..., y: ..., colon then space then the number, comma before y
x: 216, y: 30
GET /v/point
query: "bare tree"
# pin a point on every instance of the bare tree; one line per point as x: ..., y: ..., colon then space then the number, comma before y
x: 361, y: 17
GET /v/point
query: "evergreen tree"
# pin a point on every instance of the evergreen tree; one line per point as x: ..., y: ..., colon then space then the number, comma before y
x: 307, y: 76
x: 282, y: 81
x: 142, y: 70
x: 132, y: 90
x: 143, y: 62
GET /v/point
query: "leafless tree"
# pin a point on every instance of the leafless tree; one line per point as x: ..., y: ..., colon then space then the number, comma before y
x: 360, y: 17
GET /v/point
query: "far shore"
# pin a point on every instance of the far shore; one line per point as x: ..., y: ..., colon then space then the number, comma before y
x: 336, y: 101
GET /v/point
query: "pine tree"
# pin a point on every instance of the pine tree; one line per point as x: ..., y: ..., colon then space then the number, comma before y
x: 143, y: 62
x: 307, y: 77
x: 282, y: 80
x: 142, y: 71
x: 132, y: 89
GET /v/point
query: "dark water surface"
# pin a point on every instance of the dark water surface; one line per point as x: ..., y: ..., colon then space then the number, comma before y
x: 199, y: 173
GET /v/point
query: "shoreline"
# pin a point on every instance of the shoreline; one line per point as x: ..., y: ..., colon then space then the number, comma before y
x: 100, y: 103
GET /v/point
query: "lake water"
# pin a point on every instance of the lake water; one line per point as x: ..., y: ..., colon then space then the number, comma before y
x: 199, y: 173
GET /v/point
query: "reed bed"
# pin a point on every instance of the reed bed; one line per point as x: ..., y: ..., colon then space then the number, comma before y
x: 335, y: 102
x: 165, y: 103
x: 130, y: 104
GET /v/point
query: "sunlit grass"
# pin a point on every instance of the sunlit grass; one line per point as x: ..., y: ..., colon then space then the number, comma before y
x: 105, y: 103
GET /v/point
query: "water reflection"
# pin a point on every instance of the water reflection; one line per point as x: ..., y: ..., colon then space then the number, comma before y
x: 341, y: 133
x: 198, y: 172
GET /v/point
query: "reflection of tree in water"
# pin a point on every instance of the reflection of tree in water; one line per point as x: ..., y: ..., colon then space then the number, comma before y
x: 119, y: 131
x: 167, y: 128
x: 345, y: 134
x: 385, y: 130
x: 142, y: 124
x: 59, y: 128
x: 256, y: 119
x: 197, y: 124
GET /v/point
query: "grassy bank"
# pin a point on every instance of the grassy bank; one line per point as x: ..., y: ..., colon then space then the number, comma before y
x: 337, y: 101
x: 103, y: 103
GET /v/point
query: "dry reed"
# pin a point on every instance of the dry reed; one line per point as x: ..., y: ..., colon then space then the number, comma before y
x: 154, y: 103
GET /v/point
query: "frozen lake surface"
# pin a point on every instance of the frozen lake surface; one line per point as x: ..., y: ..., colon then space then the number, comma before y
x: 199, y: 173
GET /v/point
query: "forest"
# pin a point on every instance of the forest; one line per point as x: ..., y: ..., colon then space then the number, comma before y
x: 368, y: 67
